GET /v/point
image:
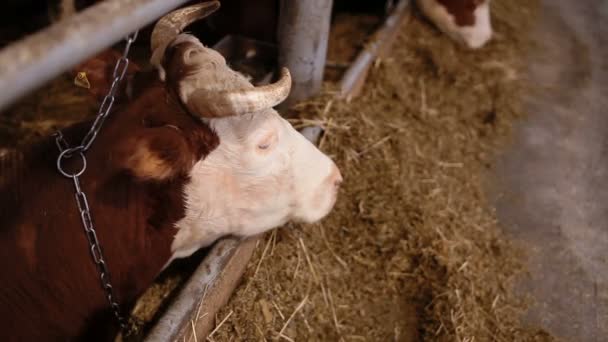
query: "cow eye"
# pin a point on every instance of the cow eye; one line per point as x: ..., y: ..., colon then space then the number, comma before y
x: 191, y: 53
x: 266, y: 142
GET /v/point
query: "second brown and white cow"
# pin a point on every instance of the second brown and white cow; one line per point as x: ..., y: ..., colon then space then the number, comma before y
x: 192, y: 155
x: 466, y: 21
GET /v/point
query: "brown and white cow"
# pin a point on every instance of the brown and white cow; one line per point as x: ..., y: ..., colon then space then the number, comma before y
x: 189, y: 158
x: 466, y: 21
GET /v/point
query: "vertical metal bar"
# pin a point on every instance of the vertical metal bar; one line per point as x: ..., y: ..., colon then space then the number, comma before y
x: 303, y: 36
x: 31, y: 62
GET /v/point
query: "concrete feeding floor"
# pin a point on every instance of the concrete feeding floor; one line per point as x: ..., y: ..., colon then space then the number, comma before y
x: 551, y: 189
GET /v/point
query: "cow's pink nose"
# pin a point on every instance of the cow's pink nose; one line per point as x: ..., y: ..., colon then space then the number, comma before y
x: 336, y: 177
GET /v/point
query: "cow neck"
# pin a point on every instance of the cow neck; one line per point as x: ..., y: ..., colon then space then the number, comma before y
x: 134, y: 221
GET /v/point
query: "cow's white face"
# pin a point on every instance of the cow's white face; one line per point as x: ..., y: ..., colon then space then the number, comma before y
x: 480, y: 33
x: 263, y: 174
x: 470, y: 23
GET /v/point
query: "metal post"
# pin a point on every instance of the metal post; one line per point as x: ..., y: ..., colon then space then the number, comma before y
x: 303, y: 34
x: 31, y: 62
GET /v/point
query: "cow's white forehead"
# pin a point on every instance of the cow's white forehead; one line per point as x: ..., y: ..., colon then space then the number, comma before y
x: 474, y: 36
x: 241, y: 127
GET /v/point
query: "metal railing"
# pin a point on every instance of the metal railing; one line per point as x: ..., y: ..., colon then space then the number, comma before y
x: 33, y: 61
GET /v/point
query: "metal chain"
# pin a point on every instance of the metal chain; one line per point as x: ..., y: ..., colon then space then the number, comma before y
x: 66, y: 152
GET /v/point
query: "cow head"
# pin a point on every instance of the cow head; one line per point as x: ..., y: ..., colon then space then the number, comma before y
x: 466, y: 21
x: 261, y: 174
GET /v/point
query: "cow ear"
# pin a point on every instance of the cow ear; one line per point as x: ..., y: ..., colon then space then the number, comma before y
x: 95, y: 74
x: 158, y: 154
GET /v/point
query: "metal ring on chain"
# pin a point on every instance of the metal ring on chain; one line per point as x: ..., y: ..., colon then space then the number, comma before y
x: 67, y: 154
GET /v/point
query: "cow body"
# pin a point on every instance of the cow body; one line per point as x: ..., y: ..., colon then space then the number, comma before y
x: 181, y: 162
x: 466, y: 21
x: 50, y: 286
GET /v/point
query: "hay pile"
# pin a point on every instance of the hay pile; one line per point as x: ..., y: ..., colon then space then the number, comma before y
x: 412, y: 250
x: 347, y: 38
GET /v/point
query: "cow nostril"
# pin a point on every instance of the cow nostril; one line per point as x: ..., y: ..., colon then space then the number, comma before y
x: 334, y: 179
x: 337, y: 178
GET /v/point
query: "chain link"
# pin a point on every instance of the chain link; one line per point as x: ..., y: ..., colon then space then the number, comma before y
x: 67, y: 152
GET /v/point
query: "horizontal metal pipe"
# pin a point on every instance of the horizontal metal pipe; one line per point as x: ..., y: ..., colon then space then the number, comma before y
x: 33, y: 61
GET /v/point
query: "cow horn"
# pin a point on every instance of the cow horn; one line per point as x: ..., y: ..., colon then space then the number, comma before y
x: 171, y: 25
x: 212, y: 104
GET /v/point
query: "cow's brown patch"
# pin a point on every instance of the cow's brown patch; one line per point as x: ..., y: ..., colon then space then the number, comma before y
x: 49, y: 280
x: 462, y: 10
x: 146, y: 164
x: 26, y: 240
